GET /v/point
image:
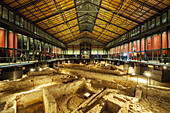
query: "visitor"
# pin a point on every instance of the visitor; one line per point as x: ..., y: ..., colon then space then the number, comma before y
x: 164, y: 58
x: 22, y: 57
x: 41, y: 56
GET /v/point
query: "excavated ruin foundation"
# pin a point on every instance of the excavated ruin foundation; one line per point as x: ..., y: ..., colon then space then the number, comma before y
x: 56, y: 91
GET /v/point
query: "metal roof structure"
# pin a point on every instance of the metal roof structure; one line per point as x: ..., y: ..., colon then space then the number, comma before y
x: 101, y: 20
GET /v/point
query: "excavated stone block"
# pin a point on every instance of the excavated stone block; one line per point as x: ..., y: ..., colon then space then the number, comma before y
x: 120, y: 99
x: 50, y: 104
x: 10, y: 110
x: 96, y: 109
x: 39, y: 73
x: 30, y: 98
x: 63, y: 89
x: 138, y: 93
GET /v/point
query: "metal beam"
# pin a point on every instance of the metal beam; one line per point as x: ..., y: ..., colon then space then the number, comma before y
x: 84, y: 36
x: 101, y: 37
x: 27, y: 5
x: 69, y: 41
x: 67, y: 38
x: 103, y: 28
x: 63, y: 18
x: 75, y: 5
x: 131, y: 8
x: 51, y: 15
x: 123, y: 16
x: 147, y: 5
x: 111, y: 19
x: 21, y: 30
x: 38, y: 8
x: 107, y: 29
x: 66, y: 34
x: 86, y: 27
x: 115, y: 12
x: 88, y: 37
x: 110, y: 23
x: 97, y: 14
x: 104, y: 34
x: 64, y: 22
x: 60, y: 23
x: 107, y: 10
x: 6, y: 5
x: 13, y: 2
x: 65, y: 29
x: 54, y: 14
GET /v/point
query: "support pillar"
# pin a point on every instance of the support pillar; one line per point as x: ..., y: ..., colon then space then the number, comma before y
x: 161, y: 47
x: 128, y: 51
x: 7, y: 45
x: 146, y: 57
x: 13, y: 59
x: 168, y: 44
x: 140, y: 50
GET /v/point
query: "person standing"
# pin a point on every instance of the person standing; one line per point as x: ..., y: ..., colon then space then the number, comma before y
x: 164, y: 58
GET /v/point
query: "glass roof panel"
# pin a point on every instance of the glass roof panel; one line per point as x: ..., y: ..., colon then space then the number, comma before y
x: 87, y: 8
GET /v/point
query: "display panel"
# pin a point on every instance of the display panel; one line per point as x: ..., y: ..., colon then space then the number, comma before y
x: 149, y: 43
x: 11, y: 39
x: 2, y: 38
x: 142, y: 44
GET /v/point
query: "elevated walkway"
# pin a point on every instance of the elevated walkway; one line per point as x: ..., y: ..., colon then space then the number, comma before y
x: 159, y: 71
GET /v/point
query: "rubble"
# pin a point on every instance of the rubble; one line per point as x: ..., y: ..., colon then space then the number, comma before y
x: 100, y: 68
x: 65, y: 93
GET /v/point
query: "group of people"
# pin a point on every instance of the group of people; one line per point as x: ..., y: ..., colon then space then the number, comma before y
x: 44, y: 57
x: 39, y: 57
x: 23, y: 57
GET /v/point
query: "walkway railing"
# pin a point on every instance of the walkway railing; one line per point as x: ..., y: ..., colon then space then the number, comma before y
x: 150, y: 60
x: 19, y: 60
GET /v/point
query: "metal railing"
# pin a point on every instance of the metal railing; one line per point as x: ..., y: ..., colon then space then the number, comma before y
x: 152, y: 60
x: 20, y: 60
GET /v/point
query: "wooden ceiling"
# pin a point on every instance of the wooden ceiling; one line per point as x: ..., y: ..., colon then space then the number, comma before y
x: 102, y: 20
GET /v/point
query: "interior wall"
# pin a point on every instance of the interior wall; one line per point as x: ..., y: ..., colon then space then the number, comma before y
x: 95, y: 50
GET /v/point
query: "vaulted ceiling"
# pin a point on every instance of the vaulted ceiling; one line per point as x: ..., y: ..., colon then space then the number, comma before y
x: 101, y: 20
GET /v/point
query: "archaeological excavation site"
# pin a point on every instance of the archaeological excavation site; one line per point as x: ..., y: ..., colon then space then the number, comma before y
x: 84, y: 56
x: 82, y: 88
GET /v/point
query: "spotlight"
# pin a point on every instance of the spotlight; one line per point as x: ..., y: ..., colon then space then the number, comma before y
x: 87, y: 94
x: 31, y: 69
x: 131, y: 70
x: 40, y: 69
x: 133, y: 74
x: 88, y: 84
x: 164, y: 67
x: 68, y: 61
x: 148, y: 74
x: 64, y: 72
